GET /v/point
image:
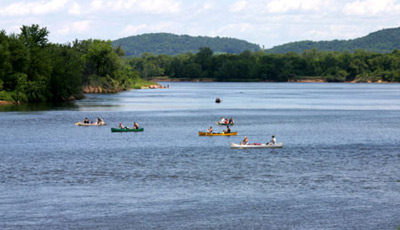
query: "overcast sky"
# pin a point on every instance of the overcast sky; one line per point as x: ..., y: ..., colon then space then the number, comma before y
x: 264, y: 22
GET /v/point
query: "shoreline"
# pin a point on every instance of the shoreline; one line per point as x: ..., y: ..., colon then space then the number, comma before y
x: 319, y: 80
x: 6, y: 103
x: 101, y: 90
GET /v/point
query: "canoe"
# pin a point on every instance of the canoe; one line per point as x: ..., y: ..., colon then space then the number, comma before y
x: 220, y: 123
x: 217, y: 134
x: 238, y: 146
x: 126, y: 130
x: 80, y: 123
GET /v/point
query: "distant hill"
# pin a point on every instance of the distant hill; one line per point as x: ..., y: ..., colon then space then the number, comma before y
x: 171, y: 44
x: 382, y: 41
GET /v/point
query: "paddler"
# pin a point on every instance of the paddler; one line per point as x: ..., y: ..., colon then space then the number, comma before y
x: 245, y: 141
x: 135, y: 125
x: 273, y: 141
x: 228, y: 130
x: 210, y: 130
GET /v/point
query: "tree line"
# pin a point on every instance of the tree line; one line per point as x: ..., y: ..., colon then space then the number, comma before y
x: 171, y: 44
x: 382, y: 41
x: 34, y: 70
x: 360, y: 66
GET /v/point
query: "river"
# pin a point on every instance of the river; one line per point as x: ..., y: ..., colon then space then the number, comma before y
x: 339, y: 167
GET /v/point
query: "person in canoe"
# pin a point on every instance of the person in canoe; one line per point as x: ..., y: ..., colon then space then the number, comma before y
x: 245, y: 141
x: 121, y: 126
x: 227, y: 130
x: 273, y: 141
x: 99, y: 120
x: 86, y: 120
x: 231, y: 121
x: 222, y: 121
x: 135, y: 125
x: 210, y: 130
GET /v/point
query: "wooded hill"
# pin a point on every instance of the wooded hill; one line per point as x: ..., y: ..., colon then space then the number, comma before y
x: 171, y: 44
x: 382, y: 41
x: 33, y: 70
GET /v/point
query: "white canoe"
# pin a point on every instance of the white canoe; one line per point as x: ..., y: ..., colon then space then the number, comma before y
x: 238, y: 146
x: 80, y: 123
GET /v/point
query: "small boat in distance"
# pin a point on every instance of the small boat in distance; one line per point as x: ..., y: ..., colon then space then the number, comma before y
x: 119, y: 130
x: 218, y: 100
x: 218, y: 134
x: 256, y: 146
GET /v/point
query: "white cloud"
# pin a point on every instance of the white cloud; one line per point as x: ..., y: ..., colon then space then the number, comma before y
x: 78, y: 27
x: 371, y: 7
x: 133, y: 29
x: 96, y: 5
x: 141, y: 6
x: 238, y: 6
x: 237, y: 27
x: 283, y: 6
x: 208, y: 6
x: 75, y: 9
x: 34, y: 8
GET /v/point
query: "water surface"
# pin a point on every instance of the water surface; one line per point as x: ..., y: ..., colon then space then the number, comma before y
x: 339, y: 168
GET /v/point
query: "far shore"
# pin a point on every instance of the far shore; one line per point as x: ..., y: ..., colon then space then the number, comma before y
x: 316, y: 80
x: 100, y: 90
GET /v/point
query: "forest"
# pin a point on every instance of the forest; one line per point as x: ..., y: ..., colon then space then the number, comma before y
x: 34, y: 70
x: 360, y: 66
x: 382, y: 41
x: 171, y: 44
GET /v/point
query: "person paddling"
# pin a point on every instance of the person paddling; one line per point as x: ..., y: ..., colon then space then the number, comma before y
x: 245, y: 141
x: 121, y: 126
x: 273, y: 141
x: 135, y: 125
x: 228, y: 130
x: 210, y: 130
x: 231, y: 121
x: 222, y: 120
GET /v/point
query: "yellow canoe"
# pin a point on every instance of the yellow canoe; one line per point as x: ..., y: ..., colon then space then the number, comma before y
x: 218, y: 134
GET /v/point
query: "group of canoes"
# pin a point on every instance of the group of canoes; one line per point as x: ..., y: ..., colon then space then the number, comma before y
x: 225, y: 132
x: 100, y: 122
x: 210, y: 132
x: 245, y: 143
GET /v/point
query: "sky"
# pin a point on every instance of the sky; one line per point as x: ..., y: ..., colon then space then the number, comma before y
x: 264, y: 22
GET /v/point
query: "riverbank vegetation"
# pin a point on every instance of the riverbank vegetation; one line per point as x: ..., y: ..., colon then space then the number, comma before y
x: 310, y: 65
x: 34, y: 70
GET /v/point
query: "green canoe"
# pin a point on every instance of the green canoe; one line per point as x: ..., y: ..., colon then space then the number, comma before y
x: 126, y: 130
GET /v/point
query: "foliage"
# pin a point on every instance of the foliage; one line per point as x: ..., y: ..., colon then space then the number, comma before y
x: 383, y: 41
x: 171, y: 44
x: 360, y: 66
x: 34, y: 70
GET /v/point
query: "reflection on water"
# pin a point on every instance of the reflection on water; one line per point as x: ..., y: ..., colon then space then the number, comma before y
x: 39, y: 107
